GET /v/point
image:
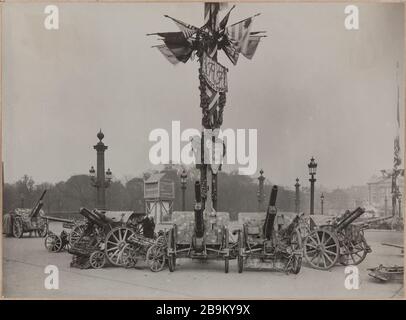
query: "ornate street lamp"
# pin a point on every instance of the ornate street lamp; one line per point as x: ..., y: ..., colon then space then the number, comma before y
x: 260, y: 193
x: 183, y: 181
x: 322, y: 203
x: 297, y: 199
x: 312, y: 172
x: 100, y: 179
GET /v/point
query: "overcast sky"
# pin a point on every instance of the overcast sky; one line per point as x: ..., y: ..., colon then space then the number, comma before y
x: 312, y: 89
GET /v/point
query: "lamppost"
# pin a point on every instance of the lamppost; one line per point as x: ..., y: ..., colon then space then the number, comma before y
x: 386, y: 205
x: 312, y: 171
x: 322, y: 203
x: 400, y: 204
x: 183, y: 178
x: 100, y: 179
x: 260, y: 192
x: 297, y: 199
x: 22, y: 200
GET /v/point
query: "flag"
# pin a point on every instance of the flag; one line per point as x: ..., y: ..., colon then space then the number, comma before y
x: 224, y: 22
x: 177, y: 45
x: 187, y: 29
x: 239, y: 33
x: 231, y: 52
x: 211, y: 11
x: 249, y: 50
x: 214, y: 73
x: 167, y: 54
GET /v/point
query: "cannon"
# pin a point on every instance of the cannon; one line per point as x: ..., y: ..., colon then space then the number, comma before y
x: 387, y: 273
x: 199, y: 235
x: 279, y: 248
x: 22, y: 220
x: 341, y: 240
x: 118, y: 239
x: 56, y: 243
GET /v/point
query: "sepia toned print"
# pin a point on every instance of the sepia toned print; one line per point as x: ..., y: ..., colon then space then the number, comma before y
x: 203, y: 150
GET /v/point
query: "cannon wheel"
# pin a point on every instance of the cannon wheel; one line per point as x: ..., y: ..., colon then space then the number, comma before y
x: 226, y: 240
x: 75, y: 234
x: 97, y: 259
x: 296, y: 241
x: 43, y: 229
x: 171, y: 245
x: 240, y: 258
x: 354, y: 253
x: 322, y: 249
x: 18, y: 227
x: 156, y: 258
x: 117, y: 248
x: 53, y: 243
x: 296, y: 264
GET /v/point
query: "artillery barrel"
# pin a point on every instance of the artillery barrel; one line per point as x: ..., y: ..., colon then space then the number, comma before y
x: 56, y: 219
x: 270, y: 214
x: 92, y: 217
x: 199, y: 221
x: 344, y: 217
x: 354, y: 215
x: 34, y: 212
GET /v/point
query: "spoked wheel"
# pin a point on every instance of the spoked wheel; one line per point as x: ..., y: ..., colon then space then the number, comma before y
x: 171, y: 246
x: 53, y: 243
x: 97, y: 259
x: 139, y: 228
x: 354, y: 253
x: 117, y: 246
x: 296, y: 240
x: 156, y: 258
x: 321, y: 249
x: 296, y: 264
x: 18, y: 228
x: 75, y: 234
x: 226, y: 240
x: 43, y: 230
x: 240, y: 258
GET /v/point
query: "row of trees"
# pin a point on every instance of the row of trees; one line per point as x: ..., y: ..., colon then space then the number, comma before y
x: 236, y: 193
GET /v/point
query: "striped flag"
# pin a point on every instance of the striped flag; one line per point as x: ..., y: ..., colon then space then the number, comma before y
x: 240, y: 32
x: 187, y: 29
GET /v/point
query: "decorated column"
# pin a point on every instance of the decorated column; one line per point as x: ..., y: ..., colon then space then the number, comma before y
x: 205, y: 42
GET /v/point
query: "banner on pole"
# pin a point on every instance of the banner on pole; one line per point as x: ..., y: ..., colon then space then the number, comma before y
x: 214, y: 73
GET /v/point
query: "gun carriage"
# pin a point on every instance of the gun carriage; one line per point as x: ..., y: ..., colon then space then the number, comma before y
x: 118, y: 239
x: 58, y: 242
x: 28, y: 220
x: 201, y: 236
x: 281, y: 248
x: 341, y: 240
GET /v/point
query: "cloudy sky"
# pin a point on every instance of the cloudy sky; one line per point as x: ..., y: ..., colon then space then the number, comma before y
x: 312, y: 89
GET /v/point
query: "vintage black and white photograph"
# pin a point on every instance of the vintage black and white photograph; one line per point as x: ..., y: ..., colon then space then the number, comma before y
x: 202, y: 150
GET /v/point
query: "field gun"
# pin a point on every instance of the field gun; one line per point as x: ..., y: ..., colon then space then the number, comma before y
x: 118, y: 238
x: 201, y: 234
x: 260, y: 243
x: 38, y: 206
x: 23, y: 220
x: 341, y: 240
x: 57, y: 242
x: 270, y: 214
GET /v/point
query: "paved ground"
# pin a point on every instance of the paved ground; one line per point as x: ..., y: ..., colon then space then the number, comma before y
x: 25, y: 259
